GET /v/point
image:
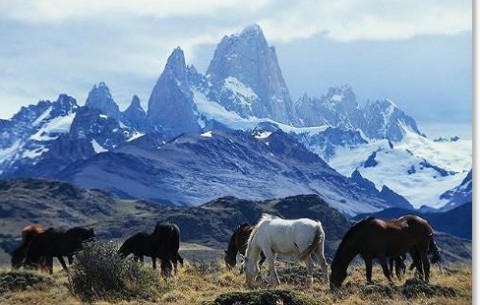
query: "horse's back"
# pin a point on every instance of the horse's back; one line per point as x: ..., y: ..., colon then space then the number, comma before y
x: 139, y: 244
x: 286, y: 235
x: 29, y: 232
x: 166, y: 239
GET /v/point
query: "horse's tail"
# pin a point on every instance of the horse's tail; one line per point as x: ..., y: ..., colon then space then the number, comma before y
x: 317, y: 238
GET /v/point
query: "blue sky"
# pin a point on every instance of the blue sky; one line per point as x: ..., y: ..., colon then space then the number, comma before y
x: 417, y: 53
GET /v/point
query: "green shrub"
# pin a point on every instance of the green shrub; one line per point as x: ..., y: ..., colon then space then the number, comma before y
x: 99, y: 273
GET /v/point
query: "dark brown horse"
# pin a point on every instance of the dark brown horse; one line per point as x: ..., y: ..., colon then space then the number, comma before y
x: 55, y: 243
x: 238, y: 244
x: 375, y: 238
x: 399, y: 262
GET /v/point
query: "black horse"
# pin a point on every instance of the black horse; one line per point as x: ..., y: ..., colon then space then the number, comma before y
x: 140, y: 245
x: 166, y: 240
x: 55, y: 243
x: 163, y: 243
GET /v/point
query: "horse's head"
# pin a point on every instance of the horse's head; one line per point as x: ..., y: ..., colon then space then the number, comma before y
x: 230, y: 259
x: 86, y: 235
x: 251, y: 271
x: 17, y: 258
x: 337, y: 276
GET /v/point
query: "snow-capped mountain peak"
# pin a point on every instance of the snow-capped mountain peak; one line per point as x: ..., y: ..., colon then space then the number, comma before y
x: 247, y: 58
x: 171, y: 106
x: 100, y: 98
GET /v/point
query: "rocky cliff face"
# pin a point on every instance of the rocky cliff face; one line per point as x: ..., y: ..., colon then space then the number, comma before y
x: 101, y: 99
x: 339, y: 108
x: 171, y: 106
x: 135, y: 116
x: 245, y: 72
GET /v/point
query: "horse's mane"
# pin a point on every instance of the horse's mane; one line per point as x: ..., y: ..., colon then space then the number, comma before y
x: 265, y: 217
x: 349, y: 235
x: 231, y: 244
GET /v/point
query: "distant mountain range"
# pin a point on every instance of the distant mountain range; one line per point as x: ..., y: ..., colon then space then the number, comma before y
x: 237, y: 131
x: 62, y: 205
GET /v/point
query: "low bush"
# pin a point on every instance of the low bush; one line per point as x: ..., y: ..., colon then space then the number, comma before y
x: 100, y: 273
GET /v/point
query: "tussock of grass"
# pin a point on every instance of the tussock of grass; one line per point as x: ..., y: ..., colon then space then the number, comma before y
x: 262, y: 297
x: 22, y: 280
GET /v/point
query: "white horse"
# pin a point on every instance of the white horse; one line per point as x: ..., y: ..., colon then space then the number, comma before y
x: 273, y: 235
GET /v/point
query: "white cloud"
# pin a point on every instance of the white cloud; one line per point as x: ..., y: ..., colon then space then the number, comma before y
x: 340, y: 20
x: 374, y: 20
x: 45, y: 11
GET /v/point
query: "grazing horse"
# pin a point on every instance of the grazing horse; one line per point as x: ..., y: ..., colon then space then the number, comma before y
x: 28, y: 233
x: 140, y: 245
x: 373, y: 237
x: 19, y: 254
x: 166, y: 240
x: 274, y: 235
x: 238, y: 245
x: 54, y: 243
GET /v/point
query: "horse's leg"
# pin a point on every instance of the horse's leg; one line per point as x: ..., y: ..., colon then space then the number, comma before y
x: 426, y: 266
x: 386, y: 272
x: 262, y: 259
x: 270, y: 255
x: 174, y: 261
x: 400, y: 266
x: 309, y: 264
x: 62, y: 262
x: 391, y: 262
x: 322, y: 262
x: 48, y: 264
x: 368, y: 268
x: 70, y: 259
x: 417, y: 262
x: 154, y: 262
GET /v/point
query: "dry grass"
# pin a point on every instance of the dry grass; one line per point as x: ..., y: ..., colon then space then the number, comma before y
x: 199, y: 282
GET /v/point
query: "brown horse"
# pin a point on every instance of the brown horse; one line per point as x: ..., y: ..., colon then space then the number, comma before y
x: 28, y: 233
x: 375, y: 238
x: 55, y: 243
x: 238, y: 244
x: 19, y: 254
